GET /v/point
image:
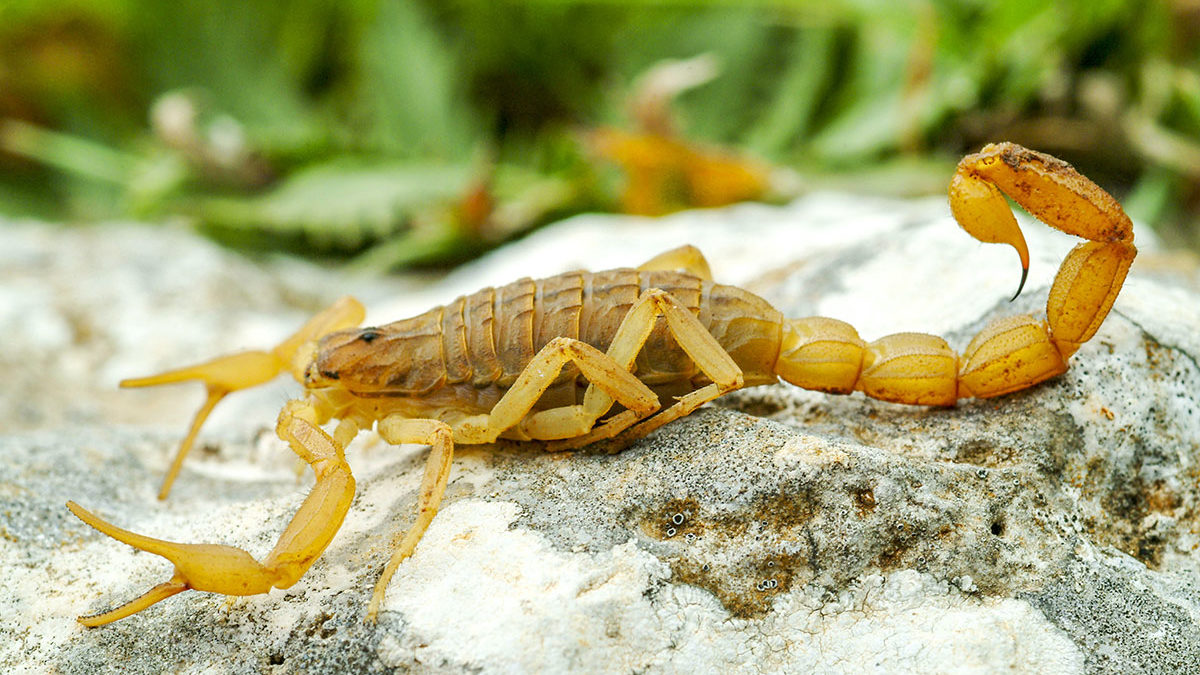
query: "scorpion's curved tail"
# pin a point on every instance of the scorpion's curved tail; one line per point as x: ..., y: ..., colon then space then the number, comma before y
x: 243, y: 370
x: 1010, y: 353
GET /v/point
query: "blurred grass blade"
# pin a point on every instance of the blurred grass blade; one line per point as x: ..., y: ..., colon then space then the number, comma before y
x: 409, y: 94
x: 68, y: 153
x: 437, y: 241
x: 1152, y: 198
x: 789, y: 116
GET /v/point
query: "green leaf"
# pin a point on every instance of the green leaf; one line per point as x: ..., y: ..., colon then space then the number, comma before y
x: 336, y: 207
x: 409, y: 101
x: 1152, y: 197
x: 789, y: 115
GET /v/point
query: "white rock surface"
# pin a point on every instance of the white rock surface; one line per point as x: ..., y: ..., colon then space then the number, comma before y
x: 1051, y: 531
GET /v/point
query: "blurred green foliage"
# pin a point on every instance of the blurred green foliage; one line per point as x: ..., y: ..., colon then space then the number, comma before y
x: 424, y: 131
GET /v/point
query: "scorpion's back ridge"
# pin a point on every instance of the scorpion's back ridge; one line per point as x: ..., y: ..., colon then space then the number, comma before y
x: 487, y: 338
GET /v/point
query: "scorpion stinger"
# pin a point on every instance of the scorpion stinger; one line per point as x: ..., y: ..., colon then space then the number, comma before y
x: 1024, y: 276
x: 981, y: 209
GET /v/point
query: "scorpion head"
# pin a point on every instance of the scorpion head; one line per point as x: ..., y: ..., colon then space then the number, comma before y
x: 390, y: 360
x: 355, y: 359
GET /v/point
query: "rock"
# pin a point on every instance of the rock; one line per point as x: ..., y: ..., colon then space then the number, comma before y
x: 1051, y: 530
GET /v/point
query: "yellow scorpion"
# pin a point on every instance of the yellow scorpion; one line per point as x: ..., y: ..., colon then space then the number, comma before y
x: 584, y: 357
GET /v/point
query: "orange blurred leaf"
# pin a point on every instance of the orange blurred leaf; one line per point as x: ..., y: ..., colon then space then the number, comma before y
x: 665, y: 174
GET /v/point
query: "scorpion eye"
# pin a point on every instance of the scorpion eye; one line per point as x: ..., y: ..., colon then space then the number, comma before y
x: 369, y: 336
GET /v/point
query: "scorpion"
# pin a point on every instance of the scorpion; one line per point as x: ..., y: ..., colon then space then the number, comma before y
x: 581, y: 358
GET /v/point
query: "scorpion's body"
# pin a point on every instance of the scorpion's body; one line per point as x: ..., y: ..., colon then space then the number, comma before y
x: 610, y: 356
x: 459, y: 359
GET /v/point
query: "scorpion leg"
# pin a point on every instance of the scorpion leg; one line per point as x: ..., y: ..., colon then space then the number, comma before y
x: 687, y: 258
x: 631, y: 336
x: 609, y: 379
x: 226, y: 569
x: 708, y: 354
x: 396, y: 429
x: 512, y: 411
x: 226, y: 374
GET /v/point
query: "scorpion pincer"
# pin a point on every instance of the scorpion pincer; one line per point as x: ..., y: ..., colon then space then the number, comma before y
x: 584, y: 357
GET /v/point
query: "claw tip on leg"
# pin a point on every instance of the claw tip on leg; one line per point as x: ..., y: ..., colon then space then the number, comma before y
x: 371, y: 617
x: 78, y: 510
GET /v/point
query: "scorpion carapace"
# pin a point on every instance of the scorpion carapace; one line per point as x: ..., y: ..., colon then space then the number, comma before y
x: 610, y: 356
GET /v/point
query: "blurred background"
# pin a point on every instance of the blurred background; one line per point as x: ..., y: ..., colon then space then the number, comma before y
x: 381, y: 134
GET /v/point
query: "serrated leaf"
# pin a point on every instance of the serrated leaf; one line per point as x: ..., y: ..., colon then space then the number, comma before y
x: 339, y: 207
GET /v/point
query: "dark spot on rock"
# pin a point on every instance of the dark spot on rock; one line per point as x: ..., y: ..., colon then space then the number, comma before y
x: 983, y: 453
x: 759, y: 402
x: 782, y: 512
x: 910, y: 544
x: 1161, y: 499
x: 745, y: 588
x: 998, y: 527
x: 1128, y: 500
x: 319, y: 627
x: 677, y: 517
x: 864, y: 499
x: 747, y: 591
x: 275, y: 659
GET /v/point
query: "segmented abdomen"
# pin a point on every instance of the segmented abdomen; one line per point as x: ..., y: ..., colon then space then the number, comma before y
x: 485, y: 339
